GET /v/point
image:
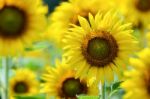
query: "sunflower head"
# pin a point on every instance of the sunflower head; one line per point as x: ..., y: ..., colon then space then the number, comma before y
x: 23, y: 83
x: 62, y: 83
x: 140, y: 75
x: 138, y: 14
x: 98, y: 44
x: 20, y: 25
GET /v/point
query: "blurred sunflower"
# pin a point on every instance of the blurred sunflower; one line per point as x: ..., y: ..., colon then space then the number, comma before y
x: 139, y: 12
x: 137, y: 85
x: 99, y: 48
x: 20, y: 24
x: 68, y: 13
x: 61, y: 83
x: 23, y: 83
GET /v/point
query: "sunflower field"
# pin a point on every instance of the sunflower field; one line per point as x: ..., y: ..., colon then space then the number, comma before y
x: 74, y: 49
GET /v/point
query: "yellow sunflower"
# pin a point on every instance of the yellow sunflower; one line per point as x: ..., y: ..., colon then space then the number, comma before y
x: 20, y: 24
x: 136, y: 11
x: 137, y: 85
x: 68, y: 13
x: 61, y: 83
x: 23, y: 83
x: 99, y: 47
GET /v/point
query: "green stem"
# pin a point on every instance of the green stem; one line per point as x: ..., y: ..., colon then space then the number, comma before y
x: 5, y: 78
x: 104, y: 91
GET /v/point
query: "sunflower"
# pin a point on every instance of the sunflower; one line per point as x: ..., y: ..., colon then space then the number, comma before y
x: 23, y: 83
x: 61, y: 83
x: 68, y: 13
x: 139, y: 12
x: 139, y: 75
x: 100, y: 46
x: 20, y: 24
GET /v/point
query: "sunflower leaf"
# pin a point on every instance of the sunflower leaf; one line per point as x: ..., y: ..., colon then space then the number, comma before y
x: 116, y: 85
x: 30, y: 97
x: 88, y: 97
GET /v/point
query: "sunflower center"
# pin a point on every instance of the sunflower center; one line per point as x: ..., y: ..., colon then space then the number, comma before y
x: 72, y: 87
x: 21, y: 87
x: 12, y: 22
x: 99, y: 49
x: 143, y: 5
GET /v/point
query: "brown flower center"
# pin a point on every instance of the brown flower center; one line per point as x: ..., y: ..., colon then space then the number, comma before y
x: 12, y: 22
x: 21, y: 87
x: 72, y: 87
x: 99, y: 49
x: 143, y: 5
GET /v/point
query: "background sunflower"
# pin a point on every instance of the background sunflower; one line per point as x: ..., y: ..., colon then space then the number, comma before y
x: 140, y: 75
x: 20, y: 24
x: 61, y: 82
x: 24, y: 82
x: 67, y: 13
x: 138, y: 14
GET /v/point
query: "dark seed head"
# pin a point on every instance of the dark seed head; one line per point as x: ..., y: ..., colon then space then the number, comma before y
x: 72, y: 87
x: 20, y: 87
x: 12, y: 22
x: 99, y: 49
x: 143, y: 5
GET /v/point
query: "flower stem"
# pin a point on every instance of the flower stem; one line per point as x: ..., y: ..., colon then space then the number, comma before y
x: 5, y: 78
x: 104, y: 91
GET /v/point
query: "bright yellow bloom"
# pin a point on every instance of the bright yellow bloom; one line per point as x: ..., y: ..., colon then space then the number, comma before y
x: 24, y: 83
x: 60, y: 82
x: 135, y: 11
x: 100, y: 46
x: 68, y: 13
x: 20, y: 24
x: 137, y: 85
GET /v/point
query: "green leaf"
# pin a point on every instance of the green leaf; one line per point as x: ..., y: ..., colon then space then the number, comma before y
x: 30, y: 97
x: 116, y: 85
x: 88, y: 97
x: 112, y: 93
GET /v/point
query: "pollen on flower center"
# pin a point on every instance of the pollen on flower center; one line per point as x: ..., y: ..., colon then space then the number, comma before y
x: 20, y: 87
x: 143, y: 5
x: 72, y: 87
x: 12, y: 22
x: 99, y: 49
